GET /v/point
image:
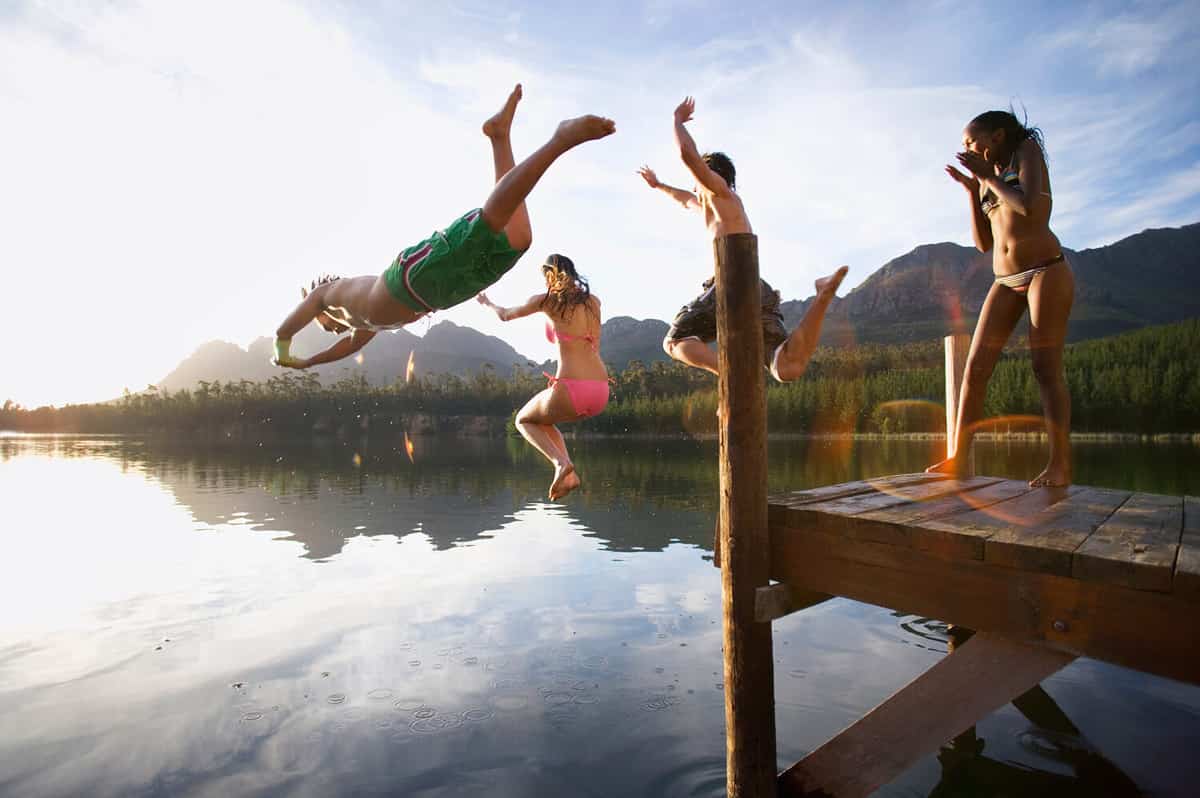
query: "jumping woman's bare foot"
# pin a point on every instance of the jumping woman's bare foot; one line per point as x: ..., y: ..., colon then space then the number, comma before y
x: 829, y: 285
x: 584, y: 128
x: 499, y: 126
x: 1056, y: 475
x: 565, y: 481
x: 951, y: 465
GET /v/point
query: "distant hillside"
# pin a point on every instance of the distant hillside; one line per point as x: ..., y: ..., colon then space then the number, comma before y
x: 446, y: 348
x: 1149, y: 278
x: 623, y: 338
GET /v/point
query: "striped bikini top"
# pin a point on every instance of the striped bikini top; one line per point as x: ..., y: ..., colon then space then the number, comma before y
x: 990, y: 201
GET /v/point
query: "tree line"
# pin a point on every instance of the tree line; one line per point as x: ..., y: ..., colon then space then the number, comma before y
x: 1146, y: 381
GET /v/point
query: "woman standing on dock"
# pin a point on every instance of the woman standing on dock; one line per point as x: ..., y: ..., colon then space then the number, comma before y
x: 1008, y: 188
x: 580, y: 387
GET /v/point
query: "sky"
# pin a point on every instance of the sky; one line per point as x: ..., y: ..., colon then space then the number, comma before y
x: 171, y: 173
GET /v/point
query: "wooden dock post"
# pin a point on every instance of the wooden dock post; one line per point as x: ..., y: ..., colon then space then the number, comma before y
x: 744, y: 543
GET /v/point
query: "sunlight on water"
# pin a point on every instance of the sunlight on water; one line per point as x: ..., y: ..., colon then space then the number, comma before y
x: 232, y: 622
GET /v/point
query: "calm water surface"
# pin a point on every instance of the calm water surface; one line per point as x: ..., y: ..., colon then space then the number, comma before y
x: 334, y: 619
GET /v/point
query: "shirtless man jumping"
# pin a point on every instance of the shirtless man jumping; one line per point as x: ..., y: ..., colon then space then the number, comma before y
x: 696, y: 324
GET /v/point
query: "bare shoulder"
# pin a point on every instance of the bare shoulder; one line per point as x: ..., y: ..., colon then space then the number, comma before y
x: 1028, y: 152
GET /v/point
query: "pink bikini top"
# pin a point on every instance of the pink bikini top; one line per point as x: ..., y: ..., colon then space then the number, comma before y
x: 553, y: 336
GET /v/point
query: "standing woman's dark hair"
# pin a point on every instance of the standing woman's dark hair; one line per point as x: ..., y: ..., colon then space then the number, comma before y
x: 565, y: 289
x: 1015, y: 131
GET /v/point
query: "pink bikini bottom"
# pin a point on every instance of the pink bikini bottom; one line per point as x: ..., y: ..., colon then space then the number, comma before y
x: 587, y: 396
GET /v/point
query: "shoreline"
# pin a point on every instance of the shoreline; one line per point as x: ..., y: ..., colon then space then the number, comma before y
x: 992, y: 437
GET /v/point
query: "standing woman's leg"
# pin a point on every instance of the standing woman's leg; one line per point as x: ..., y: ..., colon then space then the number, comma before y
x: 1051, y: 295
x: 1001, y: 310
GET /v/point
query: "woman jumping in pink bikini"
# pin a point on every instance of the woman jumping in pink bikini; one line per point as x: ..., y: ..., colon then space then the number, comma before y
x: 580, y: 388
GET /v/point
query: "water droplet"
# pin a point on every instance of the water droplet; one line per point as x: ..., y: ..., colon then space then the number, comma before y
x: 409, y: 704
x: 252, y: 716
x: 477, y: 714
x: 436, y: 724
x: 587, y: 699
x: 553, y: 698
x: 425, y: 712
x: 336, y: 698
x: 380, y: 694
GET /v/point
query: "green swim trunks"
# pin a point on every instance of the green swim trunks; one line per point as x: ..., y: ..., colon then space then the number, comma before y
x: 451, y: 266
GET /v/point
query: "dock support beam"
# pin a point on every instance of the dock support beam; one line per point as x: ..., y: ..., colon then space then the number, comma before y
x: 744, y: 544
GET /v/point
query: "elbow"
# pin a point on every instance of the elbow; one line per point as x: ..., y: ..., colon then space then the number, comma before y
x: 983, y: 246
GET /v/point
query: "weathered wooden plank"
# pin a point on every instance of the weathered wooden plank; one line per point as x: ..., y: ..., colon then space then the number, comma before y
x: 962, y: 533
x: 1149, y: 631
x: 847, y: 515
x: 943, y: 540
x: 781, y: 504
x: 980, y: 676
x: 1136, y: 547
x: 1049, y: 543
x: 749, y: 664
x: 775, y: 601
x: 1187, y: 566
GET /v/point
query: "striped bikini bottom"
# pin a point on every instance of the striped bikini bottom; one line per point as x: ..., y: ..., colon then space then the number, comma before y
x: 1021, y: 280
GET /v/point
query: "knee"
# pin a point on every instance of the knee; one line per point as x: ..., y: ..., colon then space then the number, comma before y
x: 668, y: 345
x: 521, y: 238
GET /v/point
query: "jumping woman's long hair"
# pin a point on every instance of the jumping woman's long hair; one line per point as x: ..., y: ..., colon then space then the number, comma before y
x: 1015, y: 131
x: 565, y: 289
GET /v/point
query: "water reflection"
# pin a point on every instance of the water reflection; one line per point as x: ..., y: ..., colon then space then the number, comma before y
x: 303, y: 621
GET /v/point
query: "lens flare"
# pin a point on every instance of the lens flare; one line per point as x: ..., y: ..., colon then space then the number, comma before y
x: 408, y: 446
x: 1006, y: 424
x: 359, y: 358
x: 357, y: 460
x: 408, y: 373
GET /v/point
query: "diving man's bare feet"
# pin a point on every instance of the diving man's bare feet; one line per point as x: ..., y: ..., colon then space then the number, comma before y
x: 565, y: 481
x: 584, y: 128
x: 1056, y: 475
x: 499, y: 126
x: 828, y: 286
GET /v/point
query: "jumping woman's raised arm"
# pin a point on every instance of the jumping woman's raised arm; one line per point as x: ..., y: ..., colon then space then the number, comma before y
x: 531, y: 306
x: 981, y: 227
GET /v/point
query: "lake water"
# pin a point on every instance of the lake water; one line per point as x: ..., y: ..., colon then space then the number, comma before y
x: 335, y: 619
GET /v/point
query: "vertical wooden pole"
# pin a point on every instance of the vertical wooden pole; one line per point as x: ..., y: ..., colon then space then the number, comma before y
x: 745, y: 563
x: 957, y: 347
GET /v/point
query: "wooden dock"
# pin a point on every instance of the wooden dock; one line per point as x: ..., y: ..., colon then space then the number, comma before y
x: 1041, y: 576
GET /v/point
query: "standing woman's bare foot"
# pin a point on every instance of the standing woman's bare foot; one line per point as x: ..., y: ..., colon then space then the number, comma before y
x: 1056, y: 475
x: 829, y: 285
x: 951, y: 465
x: 565, y: 481
x: 584, y: 128
x: 500, y: 124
